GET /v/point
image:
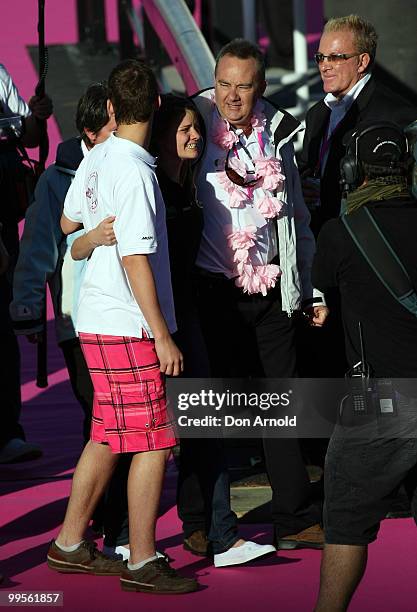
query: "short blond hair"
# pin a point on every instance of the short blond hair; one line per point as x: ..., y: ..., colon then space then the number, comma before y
x: 365, y: 35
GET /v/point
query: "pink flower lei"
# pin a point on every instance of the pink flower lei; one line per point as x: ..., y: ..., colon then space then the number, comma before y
x: 251, y: 278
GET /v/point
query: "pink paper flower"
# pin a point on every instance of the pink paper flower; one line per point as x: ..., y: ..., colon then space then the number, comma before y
x: 258, y: 123
x: 242, y: 239
x: 258, y: 120
x: 237, y: 197
x: 225, y: 182
x: 241, y: 256
x: 257, y: 279
x: 223, y: 136
x: 270, y: 170
x: 269, y: 206
x: 267, y: 277
x: 248, y: 280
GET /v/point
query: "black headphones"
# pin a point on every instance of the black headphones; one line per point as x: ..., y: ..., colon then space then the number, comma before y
x: 351, y: 170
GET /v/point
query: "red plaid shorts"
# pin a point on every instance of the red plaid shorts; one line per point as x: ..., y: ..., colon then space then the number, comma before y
x: 130, y: 409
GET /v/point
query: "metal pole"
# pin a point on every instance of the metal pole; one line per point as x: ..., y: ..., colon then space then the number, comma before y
x: 42, y: 348
x: 91, y: 24
x: 249, y: 20
x: 300, y: 52
x: 127, y: 47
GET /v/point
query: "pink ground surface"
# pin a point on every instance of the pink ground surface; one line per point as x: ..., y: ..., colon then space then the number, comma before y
x: 33, y: 495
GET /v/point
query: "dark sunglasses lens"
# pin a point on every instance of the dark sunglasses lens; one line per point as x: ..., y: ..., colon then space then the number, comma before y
x: 237, y: 179
x: 233, y: 176
x: 319, y: 57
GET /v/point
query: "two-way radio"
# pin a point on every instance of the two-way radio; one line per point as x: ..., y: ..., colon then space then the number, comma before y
x: 359, y: 382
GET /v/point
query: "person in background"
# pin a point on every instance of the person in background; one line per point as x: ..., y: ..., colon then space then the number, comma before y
x: 44, y: 256
x: 345, y: 59
x: 370, y: 455
x: 19, y: 128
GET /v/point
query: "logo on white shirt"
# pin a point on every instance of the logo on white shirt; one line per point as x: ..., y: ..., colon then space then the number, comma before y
x: 91, y: 192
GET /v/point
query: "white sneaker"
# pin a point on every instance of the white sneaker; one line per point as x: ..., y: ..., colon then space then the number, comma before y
x: 242, y: 554
x: 123, y: 553
x: 18, y: 450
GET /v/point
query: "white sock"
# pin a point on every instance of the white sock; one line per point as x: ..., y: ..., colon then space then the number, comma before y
x: 69, y: 548
x: 137, y: 566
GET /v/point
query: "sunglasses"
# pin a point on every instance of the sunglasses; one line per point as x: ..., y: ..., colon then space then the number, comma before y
x: 236, y: 178
x: 334, y: 58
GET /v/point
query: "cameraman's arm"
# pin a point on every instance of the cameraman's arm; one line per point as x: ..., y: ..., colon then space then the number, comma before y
x: 41, y: 110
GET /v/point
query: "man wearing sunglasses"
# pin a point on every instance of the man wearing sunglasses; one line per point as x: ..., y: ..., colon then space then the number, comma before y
x: 345, y: 59
x: 253, y: 267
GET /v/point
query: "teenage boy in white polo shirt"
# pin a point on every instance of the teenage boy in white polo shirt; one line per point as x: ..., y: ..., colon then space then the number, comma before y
x: 125, y: 321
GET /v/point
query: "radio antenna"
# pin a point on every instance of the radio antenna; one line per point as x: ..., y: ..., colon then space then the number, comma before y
x: 361, y: 343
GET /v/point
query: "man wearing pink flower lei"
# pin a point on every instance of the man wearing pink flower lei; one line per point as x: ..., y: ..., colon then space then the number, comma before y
x: 253, y: 267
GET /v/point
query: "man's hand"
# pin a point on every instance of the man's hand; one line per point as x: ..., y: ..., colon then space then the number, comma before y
x: 35, y: 338
x: 170, y: 357
x: 103, y: 234
x: 41, y: 108
x: 311, y: 190
x: 316, y: 315
x: 4, y: 255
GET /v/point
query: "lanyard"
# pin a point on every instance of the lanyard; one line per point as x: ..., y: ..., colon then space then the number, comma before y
x: 260, y: 142
x: 262, y: 148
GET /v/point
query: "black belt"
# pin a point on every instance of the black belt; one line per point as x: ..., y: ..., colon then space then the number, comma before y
x: 207, y: 274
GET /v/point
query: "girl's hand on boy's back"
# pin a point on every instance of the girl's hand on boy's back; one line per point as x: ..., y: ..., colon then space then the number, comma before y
x: 103, y: 234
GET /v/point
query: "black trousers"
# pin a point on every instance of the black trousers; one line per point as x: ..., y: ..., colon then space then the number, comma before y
x: 203, y: 488
x: 9, y: 349
x: 10, y: 388
x: 252, y: 336
x: 80, y: 380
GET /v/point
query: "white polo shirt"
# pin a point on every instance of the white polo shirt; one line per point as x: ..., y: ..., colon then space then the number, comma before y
x: 118, y: 178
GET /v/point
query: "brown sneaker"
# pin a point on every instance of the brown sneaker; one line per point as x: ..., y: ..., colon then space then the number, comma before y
x: 85, y: 560
x: 157, y: 577
x: 197, y: 543
x: 312, y: 537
